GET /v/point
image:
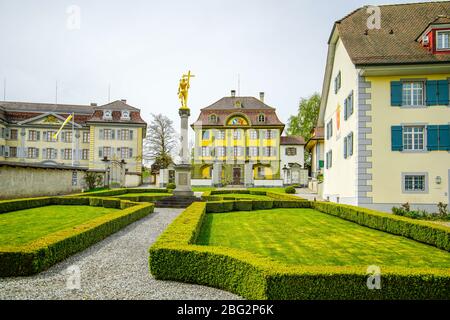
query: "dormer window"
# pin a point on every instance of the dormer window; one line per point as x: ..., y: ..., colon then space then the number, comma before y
x: 107, y: 115
x: 261, y: 118
x: 213, y: 118
x: 442, y: 40
x: 125, y: 115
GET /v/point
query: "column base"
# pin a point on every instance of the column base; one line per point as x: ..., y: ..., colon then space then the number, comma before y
x: 183, y: 181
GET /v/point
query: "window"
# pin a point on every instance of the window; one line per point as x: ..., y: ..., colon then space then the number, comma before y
x: 125, y: 134
x: 237, y: 152
x: 443, y: 42
x: 415, y: 182
x: 105, y: 152
x: 86, y: 137
x: 32, y: 153
x: 348, y: 146
x: 66, y: 136
x: 261, y: 172
x: 66, y: 154
x: 49, y: 136
x: 237, y: 134
x: 253, y: 151
x: 291, y: 152
x: 270, y: 134
x: 413, y: 93
x: 108, y: 134
x: 205, y: 134
x: 107, y: 115
x: 221, y: 151
x: 85, y: 154
x: 125, y: 153
x: 337, y: 82
x: 205, y: 152
x: 329, y: 129
x: 33, y: 135
x: 220, y: 134
x: 329, y: 159
x: 50, y: 153
x: 269, y: 151
x: 13, y: 152
x: 348, y: 106
x: 261, y: 118
x: 413, y: 138
x: 125, y: 115
x: 213, y: 118
x: 13, y: 134
x: 254, y: 134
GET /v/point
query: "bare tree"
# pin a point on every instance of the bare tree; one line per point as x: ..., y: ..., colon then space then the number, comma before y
x: 160, y: 143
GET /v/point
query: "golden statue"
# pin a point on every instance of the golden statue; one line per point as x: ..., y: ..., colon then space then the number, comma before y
x: 183, y: 89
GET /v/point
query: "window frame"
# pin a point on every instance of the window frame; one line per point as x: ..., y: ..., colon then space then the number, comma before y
x: 447, y: 31
x: 415, y: 174
x: 424, y: 138
x: 329, y: 129
x: 411, y: 93
x: 288, y: 154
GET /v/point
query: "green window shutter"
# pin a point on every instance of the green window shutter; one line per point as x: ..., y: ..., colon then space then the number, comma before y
x: 345, y: 109
x: 432, y: 92
x: 443, y: 98
x: 396, y: 93
x: 397, y: 138
x: 444, y: 137
x: 345, y: 148
x: 433, y: 138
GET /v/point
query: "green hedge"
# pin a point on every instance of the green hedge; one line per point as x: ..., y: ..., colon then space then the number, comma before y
x: 117, y: 192
x: 175, y: 257
x: 39, y: 255
x: 22, y: 204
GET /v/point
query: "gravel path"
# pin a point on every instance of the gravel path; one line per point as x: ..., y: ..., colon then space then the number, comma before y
x: 115, y: 268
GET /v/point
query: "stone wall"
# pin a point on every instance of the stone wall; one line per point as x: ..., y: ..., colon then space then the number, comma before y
x: 21, y: 182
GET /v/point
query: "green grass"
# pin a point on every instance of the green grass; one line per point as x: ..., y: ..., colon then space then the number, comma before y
x: 244, y: 196
x: 202, y: 189
x: 23, y: 226
x: 146, y: 194
x: 309, y: 237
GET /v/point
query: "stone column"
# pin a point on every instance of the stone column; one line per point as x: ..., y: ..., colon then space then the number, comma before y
x: 183, y: 170
x: 217, y: 174
x: 248, y: 174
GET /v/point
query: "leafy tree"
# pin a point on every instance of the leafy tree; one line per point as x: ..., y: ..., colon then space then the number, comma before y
x: 306, y: 118
x: 93, y: 180
x: 160, y: 143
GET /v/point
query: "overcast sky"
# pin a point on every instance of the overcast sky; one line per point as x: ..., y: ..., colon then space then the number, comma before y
x: 141, y: 48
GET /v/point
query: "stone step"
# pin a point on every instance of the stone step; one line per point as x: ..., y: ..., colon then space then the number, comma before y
x: 176, y: 202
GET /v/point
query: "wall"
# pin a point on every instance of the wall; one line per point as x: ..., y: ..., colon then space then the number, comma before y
x: 132, y: 180
x: 299, y: 158
x: 340, y: 181
x: 19, y: 182
x: 387, y: 165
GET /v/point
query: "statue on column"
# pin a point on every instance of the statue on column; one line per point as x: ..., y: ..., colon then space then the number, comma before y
x: 183, y: 89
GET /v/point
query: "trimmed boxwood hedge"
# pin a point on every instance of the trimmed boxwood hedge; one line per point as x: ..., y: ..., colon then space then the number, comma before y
x: 117, y: 192
x: 219, y: 195
x: 176, y: 257
x: 42, y: 253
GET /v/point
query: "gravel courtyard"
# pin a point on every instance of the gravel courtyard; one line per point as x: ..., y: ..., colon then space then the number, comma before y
x: 115, y: 268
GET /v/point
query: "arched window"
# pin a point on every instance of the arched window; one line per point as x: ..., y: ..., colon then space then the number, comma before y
x: 261, y: 118
x: 213, y: 118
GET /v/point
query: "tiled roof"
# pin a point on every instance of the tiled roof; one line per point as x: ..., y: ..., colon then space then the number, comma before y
x: 19, y: 111
x: 396, y: 41
x: 292, y: 140
x: 229, y: 103
x: 222, y: 116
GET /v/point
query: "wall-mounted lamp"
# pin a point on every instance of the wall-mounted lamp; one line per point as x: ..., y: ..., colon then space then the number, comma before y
x: 438, y: 180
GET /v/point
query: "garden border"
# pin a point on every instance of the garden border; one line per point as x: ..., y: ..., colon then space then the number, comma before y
x: 175, y: 257
x: 39, y: 255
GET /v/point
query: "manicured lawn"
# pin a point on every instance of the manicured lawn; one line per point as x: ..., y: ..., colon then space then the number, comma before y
x: 146, y: 194
x: 244, y: 196
x: 202, y: 189
x: 309, y: 237
x: 23, y: 226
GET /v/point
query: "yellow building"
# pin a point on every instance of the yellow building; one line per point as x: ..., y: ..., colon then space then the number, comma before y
x: 104, y: 138
x: 237, y: 142
x: 385, y: 108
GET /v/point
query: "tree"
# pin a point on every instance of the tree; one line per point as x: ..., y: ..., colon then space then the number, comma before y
x: 93, y: 179
x: 306, y: 118
x: 160, y: 143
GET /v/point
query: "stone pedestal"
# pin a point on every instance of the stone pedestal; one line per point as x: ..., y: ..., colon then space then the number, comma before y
x: 217, y: 174
x: 183, y: 169
x: 248, y: 174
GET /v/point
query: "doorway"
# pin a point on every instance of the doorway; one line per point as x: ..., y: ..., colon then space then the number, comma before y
x: 236, y: 176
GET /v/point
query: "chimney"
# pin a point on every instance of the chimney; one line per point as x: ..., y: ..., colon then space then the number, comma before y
x: 93, y: 104
x: 123, y: 100
x: 233, y: 93
x: 261, y: 96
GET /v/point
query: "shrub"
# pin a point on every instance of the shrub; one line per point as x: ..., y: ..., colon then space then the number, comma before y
x: 442, y: 209
x: 70, y: 201
x: 291, y: 204
x: 171, y: 186
x: 96, y: 202
x: 290, y: 190
x: 243, y: 205
x: 22, y: 204
x: 175, y: 257
x: 262, y: 204
x: 93, y: 179
x: 39, y: 255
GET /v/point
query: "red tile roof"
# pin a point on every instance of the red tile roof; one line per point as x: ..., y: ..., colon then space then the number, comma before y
x: 292, y: 140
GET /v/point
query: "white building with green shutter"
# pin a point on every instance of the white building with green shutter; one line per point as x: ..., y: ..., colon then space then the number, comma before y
x: 385, y: 109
